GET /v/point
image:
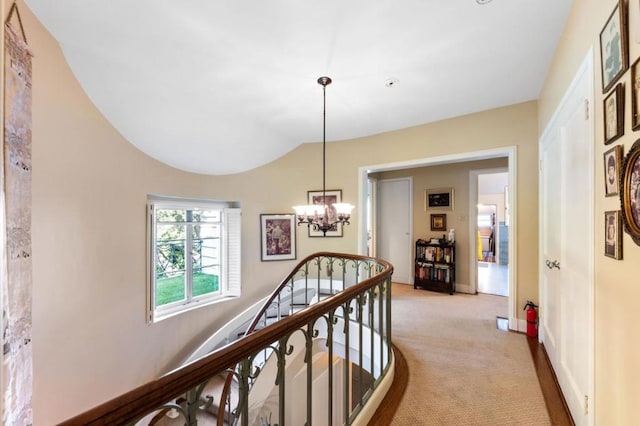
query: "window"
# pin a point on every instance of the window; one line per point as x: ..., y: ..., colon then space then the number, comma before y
x: 194, y: 254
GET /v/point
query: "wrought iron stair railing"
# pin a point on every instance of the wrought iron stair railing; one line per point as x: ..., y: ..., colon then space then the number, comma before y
x: 314, y: 354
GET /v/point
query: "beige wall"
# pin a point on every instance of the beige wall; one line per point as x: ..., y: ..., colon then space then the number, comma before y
x: 617, y: 342
x: 451, y: 175
x: 91, y: 341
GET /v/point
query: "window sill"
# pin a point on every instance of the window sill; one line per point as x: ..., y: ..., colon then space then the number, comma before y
x: 156, y: 316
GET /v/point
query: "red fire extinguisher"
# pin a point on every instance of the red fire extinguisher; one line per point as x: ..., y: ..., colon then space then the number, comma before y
x: 532, y: 319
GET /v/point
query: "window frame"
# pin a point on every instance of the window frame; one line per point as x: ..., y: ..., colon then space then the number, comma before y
x: 229, y: 286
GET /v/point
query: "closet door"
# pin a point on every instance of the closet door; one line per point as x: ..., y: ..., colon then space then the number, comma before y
x: 394, y: 234
x: 566, y: 246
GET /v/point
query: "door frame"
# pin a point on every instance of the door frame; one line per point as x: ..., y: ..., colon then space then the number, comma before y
x: 586, y: 68
x: 508, y: 151
x: 473, y: 241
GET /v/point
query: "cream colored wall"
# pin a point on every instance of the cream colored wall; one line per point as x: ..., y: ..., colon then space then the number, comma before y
x: 617, y: 341
x: 90, y: 338
x: 91, y: 341
x: 444, y: 176
x: 498, y: 128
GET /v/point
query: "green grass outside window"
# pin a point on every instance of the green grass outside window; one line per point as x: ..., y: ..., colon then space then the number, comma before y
x: 170, y: 290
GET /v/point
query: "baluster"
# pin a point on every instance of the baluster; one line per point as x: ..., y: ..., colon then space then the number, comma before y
x: 381, y: 324
x: 372, y: 350
x: 347, y: 361
x: 308, y: 359
x: 361, y: 303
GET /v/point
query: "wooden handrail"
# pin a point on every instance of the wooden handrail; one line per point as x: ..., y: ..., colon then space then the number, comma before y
x: 150, y: 396
x: 271, y: 299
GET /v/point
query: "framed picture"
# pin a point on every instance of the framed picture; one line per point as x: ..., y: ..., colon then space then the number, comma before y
x: 614, y: 114
x: 630, y: 192
x: 439, y: 198
x: 635, y: 95
x: 612, y: 161
x: 438, y: 222
x: 614, y: 46
x: 332, y: 196
x: 613, y: 239
x: 278, y: 236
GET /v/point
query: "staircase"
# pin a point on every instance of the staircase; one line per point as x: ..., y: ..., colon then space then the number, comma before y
x: 315, y: 351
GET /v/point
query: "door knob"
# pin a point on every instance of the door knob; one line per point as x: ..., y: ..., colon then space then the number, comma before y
x: 554, y: 264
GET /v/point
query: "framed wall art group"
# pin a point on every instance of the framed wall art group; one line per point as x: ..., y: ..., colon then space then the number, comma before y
x: 621, y: 172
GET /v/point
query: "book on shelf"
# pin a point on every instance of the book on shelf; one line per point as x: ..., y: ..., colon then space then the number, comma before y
x: 433, y: 272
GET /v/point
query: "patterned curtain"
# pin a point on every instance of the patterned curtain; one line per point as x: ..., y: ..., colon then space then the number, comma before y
x: 17, y: 275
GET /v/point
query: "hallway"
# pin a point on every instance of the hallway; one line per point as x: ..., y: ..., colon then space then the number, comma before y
x: 462, y: 369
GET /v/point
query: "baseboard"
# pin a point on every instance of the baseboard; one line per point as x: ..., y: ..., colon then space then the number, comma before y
x: 553, y: 396
x: 464, y: 288
x: 522, y: 326
x: 378, y: 396
x: 389, y: 405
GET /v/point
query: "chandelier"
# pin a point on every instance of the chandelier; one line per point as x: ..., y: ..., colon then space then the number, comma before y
x: 323, y: 217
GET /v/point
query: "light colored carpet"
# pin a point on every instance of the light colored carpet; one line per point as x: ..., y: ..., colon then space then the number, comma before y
x: 462, y: 369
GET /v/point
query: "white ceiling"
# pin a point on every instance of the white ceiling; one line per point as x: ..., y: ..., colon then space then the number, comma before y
x: 222, y: 87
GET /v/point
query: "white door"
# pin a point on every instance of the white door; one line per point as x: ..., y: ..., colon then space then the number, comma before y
x: 394, y: 220
x: 566, y: 246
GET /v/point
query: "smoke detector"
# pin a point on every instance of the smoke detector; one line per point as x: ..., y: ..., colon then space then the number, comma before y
x: 390, y: 82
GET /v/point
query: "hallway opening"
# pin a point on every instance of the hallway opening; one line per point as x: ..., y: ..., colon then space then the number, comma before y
x: 465, y: 215
x: 492, y: 266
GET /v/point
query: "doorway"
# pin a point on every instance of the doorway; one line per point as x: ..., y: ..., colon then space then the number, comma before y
x: 492, y: 266
x: 469, y: 286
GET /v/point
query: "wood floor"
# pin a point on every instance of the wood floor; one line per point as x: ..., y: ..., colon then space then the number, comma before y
x: 556, y: 404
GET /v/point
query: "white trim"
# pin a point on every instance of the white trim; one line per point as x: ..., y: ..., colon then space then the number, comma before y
x: 509, y: 151
x: 585, y: 68
x: 364, y: 171
x: 232, y: 249
x: 591, y: 335
x: 522, y: 326
x: 473, y: 237
x: 229, y: 283
x: 185, y: 202
x: 369, y: 409
x: 372, y: 201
